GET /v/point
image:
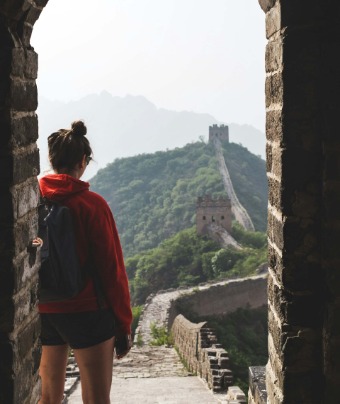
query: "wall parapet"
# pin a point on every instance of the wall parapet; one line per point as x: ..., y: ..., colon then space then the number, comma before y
x: 198, y: 346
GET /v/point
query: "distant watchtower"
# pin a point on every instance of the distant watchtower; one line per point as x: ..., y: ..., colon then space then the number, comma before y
x: 219, y: 132
x: 217, y: 211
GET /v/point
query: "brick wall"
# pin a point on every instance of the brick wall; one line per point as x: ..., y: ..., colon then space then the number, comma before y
x: 303, y: 106
x: 19, y: 166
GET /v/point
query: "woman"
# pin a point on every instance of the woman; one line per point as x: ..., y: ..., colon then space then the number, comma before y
x: 80, y: 322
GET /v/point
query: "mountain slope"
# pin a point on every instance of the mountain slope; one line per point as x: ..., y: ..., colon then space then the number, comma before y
x: 153, y: 196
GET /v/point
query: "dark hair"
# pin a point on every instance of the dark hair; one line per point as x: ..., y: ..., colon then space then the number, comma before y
x: 67, y: 147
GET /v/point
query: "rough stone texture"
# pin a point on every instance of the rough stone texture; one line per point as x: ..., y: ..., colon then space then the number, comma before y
x: 257, y: 393
x: 302, y: 80
x: 19, y: 166
x: 197, y: 345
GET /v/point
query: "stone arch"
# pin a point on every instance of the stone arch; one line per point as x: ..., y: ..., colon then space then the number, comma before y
x: 302, y: 87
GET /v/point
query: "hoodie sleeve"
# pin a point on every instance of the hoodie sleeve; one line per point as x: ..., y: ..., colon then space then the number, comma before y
x: 109, y: 263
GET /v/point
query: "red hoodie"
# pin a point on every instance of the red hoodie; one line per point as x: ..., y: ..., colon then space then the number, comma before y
x: 95, y: 231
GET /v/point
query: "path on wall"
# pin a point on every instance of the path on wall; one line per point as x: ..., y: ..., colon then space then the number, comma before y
x: 240, y: 213
x: 157, y: 307
x: 155, y: 375
x: 221, y: 235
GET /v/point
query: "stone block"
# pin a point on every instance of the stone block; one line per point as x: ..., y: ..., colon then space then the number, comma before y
x: 266, y: 5
x: 274, y: 195
x: 26, y: 34
x: 274, y: 126
x: 32, y: 15
x: 25, y: 230
x: 257, y: 384
x: 274, y: 89
x: 275, y: 230
x: 24, y: 130
x: 274, y: 56
x: 26, y: 197
x: 273, y: 19
x: 26, y: 165
x: 18, y: 62
x: 23, y: 95
x: 31, y: 67
x: 274, y: 159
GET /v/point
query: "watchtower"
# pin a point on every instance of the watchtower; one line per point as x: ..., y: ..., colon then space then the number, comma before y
x: 219, y: 132
x: 217, y: 211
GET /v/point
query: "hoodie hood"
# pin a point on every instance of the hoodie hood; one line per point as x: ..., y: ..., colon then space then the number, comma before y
x: 60, y: 186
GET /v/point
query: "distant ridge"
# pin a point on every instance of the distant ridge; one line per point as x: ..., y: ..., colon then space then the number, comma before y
x: 131, y: 125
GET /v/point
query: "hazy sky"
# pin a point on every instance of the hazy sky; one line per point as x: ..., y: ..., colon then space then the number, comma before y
x: 195, y: 55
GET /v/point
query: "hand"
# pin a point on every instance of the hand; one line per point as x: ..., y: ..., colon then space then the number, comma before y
x: 37, y: 242
x: 123, y: 345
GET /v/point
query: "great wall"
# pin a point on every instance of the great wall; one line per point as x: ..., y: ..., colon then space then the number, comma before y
x: 196, y: 344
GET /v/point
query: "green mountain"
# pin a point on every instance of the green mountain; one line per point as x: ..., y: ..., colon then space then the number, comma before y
x: 153, y: 196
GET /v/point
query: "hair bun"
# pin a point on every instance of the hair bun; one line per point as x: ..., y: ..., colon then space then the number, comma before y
x: 79, y: 128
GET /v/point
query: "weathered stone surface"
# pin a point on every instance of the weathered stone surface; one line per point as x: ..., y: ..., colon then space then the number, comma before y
x: 25, y: 165
x: 19, y: 166
x: 197, y: 344
x: 24, y: 130
x: 23, y: 96
x: 25, y: 197
x: 257, y: 393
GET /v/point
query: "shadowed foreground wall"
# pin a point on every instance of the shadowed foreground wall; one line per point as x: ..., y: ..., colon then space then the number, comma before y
x: 303, y: 145
x: 19, y: 166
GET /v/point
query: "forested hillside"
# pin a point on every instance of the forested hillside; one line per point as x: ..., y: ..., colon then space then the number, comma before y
x: 153, y: 196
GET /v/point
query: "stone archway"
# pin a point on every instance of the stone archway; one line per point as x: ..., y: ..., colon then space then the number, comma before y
x: 302, y: 87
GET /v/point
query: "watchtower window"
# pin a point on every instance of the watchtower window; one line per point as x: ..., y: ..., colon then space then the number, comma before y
x: 203, y: 217
x: 222, y: 217
x: 212, y: 218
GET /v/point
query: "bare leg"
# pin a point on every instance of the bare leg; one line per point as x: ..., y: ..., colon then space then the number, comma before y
x: 95, y: 367
x: 52, y: 372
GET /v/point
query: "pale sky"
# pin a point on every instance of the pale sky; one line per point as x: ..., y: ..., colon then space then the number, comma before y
x: 193, y: 55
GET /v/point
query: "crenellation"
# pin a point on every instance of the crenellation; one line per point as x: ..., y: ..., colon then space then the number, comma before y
x: 197, y: 344
x: 218, y: 132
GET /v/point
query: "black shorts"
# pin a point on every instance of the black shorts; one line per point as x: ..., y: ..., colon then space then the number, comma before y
x: 78, y: 330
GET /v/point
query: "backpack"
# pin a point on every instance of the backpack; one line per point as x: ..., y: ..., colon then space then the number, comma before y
x: 61, y: 276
